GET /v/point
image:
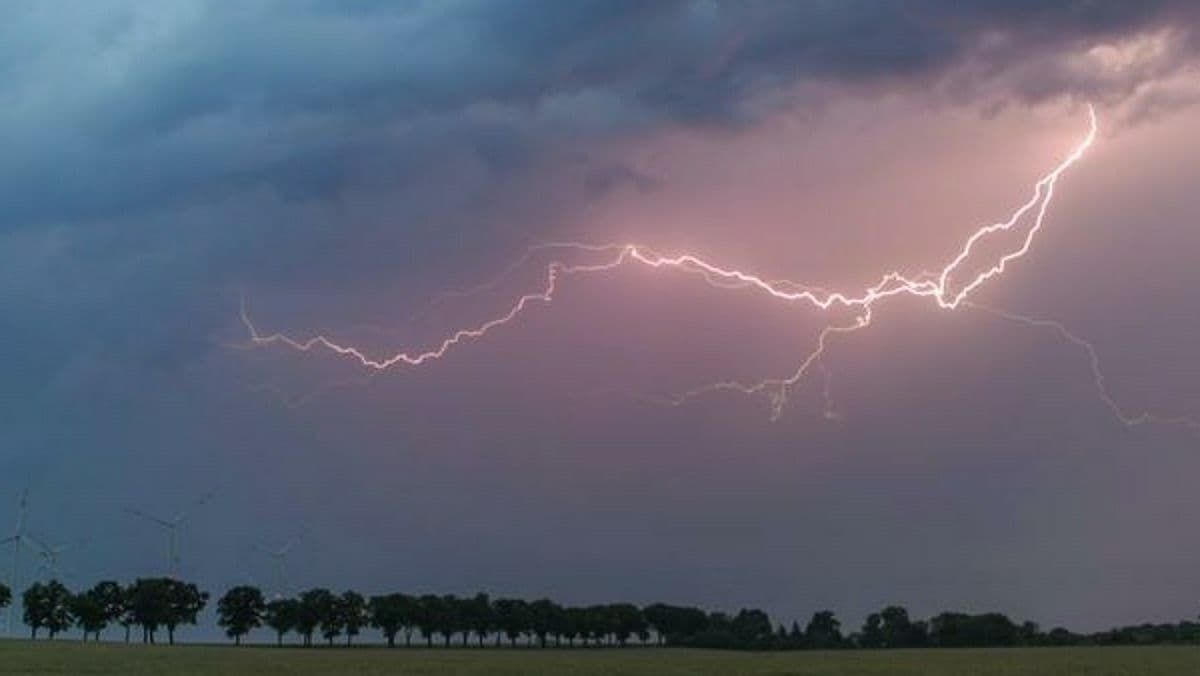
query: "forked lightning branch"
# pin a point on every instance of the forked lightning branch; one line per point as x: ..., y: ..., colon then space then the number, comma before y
x: 950, y: 288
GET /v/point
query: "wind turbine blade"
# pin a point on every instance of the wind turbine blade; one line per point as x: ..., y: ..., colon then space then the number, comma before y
x: 294, y: 541
x: 22, y: 508
x: 184, y: 514
x: 291, y: 543
x: 155, y: 519
x: 46, y: 551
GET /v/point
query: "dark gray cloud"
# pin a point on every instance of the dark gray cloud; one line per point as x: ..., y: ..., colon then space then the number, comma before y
x: 125, y: 109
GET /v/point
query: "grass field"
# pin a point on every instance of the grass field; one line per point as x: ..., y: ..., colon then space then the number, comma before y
x: 68, y: 657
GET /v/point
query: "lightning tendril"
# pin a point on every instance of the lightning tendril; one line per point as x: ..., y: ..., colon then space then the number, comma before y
x: 948, y: 288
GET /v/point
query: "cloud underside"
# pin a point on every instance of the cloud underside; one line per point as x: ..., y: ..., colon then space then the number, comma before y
x: 115, y: 111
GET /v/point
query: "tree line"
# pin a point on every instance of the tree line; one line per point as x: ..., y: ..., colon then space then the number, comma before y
x: 155, y: 604
x: 151, y: 604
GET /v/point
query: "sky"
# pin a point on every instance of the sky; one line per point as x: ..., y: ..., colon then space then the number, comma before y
x: 338, y: 167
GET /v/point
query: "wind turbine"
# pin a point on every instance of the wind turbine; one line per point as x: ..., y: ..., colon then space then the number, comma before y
x: 18, y: 536
x: 51, y: 556
x: 172, y: 527
x: 279, y: 556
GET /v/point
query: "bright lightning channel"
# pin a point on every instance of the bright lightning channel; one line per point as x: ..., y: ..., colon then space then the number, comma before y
x: 949, y: 288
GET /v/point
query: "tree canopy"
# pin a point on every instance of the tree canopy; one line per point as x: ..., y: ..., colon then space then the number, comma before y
x: 240, y: 610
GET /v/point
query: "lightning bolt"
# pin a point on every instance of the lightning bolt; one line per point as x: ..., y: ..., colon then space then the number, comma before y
x: 1126, y: 417
x: 948, y: 288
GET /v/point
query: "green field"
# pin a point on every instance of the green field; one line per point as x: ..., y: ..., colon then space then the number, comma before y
x: 67, y: 657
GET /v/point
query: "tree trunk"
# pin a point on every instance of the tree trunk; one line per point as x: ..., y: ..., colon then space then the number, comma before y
x: 391, y: 640
x: 127, y: 633
x: 170, y: 635
x: 465, y: 637
x: 33, y: 633
x: 237, y: 640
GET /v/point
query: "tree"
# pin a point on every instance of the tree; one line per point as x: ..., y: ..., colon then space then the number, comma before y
x: 751, y: 626
x: 871, y: 635
x: 674, y: 624
x: 1031, y: 633
x: 184, y: 603
x: 5, y: 595
x: 560, y: 626
x: 428, y: 616
x: 389, y: 614
x: 448, y: 620
x: 599, y: 623
x: 625, y: 620
x: 47, y: 605
x: 331, y: 618
x: 281, y: 615
x: 572, y: 622
x: 410, y: 610
x: 163, y: 602
x: 481, y: 618
x: 512, y: 618
x: 659, y: 616
x: 823, y: 630
x: 719, y: 622
x: 898, y: 630
x: 88, y: 612
x: 148, y: 605
x: 314, y: 604
x: 544, y: 619
x: 353, y: 610
x: 127, y: 618
x: 240, y: 610
x: 462, y: 618
x: 111, y: 598
x: 795, y: 635
x: 960, y: 630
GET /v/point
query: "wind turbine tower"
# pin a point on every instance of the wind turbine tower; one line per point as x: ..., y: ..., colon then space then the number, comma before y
x: 17, y: 538
x: 172, y: 526
x: 279, y: 560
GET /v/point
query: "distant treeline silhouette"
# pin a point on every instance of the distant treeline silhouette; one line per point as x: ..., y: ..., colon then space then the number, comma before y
x: 154, y: 604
